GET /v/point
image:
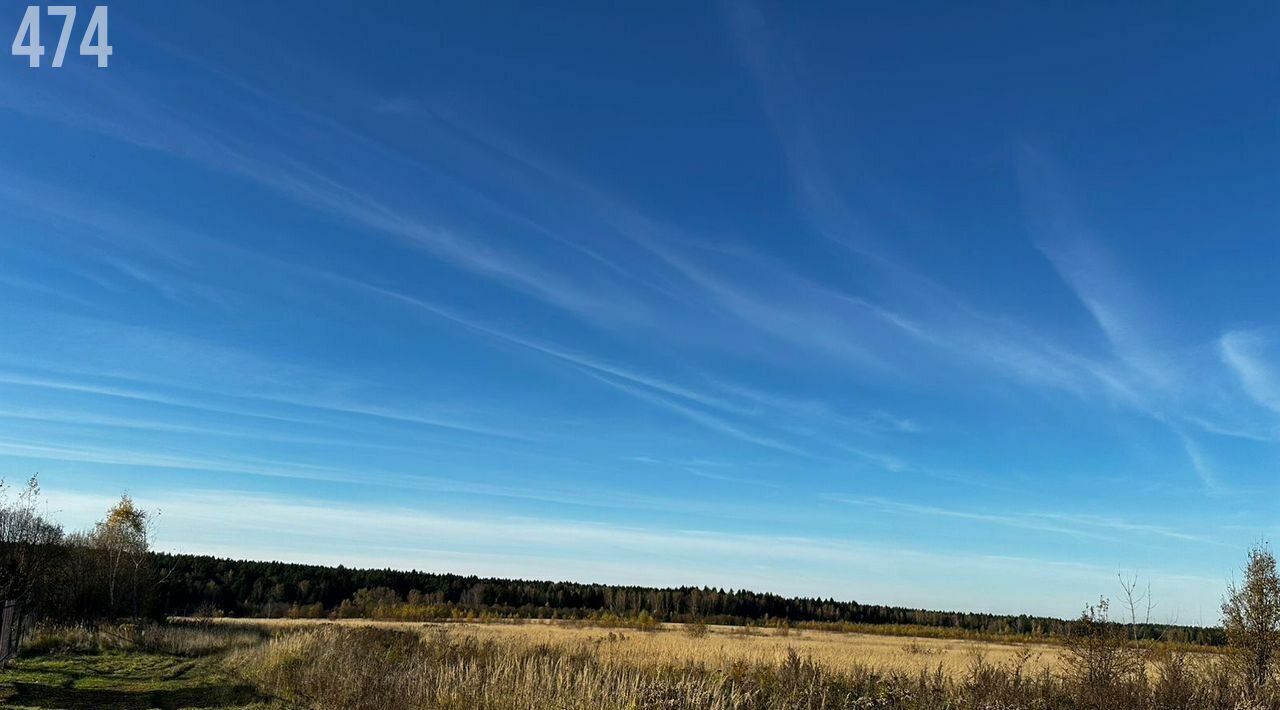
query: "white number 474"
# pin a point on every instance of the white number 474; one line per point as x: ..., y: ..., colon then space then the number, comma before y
x: 93, y: 44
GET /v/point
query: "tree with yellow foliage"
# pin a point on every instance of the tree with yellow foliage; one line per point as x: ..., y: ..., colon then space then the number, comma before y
x: 123, y: 539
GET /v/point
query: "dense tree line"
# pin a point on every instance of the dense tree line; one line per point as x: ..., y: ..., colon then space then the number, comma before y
x: 109, y: 572
x: 198, y: 585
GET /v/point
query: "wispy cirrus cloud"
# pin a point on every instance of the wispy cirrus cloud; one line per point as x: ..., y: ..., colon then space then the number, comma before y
x: 140, y: 120
x: 710, y: 421
x: 1174, y: 383
x: 928, y: 315
x: 237, y: 404
x: 1080, y: 526
x: 31, y: 448
x: 732, y: 401
x: 773, y: 300
x: 1247, y: 355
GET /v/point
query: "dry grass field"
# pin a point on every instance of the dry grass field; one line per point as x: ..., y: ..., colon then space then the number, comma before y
x: 723, y: 646
x: 373, y: 665
x: 354, y: 665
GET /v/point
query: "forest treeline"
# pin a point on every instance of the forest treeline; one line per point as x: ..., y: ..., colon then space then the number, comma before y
x: 110, y: 572
x: 208, y: 586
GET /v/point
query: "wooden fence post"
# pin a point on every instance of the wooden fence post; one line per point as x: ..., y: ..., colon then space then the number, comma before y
x: 10, y: 630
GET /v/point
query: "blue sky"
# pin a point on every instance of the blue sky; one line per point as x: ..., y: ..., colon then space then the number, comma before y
x: 906, y: 304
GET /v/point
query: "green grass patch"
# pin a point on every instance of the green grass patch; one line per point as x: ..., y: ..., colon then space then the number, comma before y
x: 124, y: 681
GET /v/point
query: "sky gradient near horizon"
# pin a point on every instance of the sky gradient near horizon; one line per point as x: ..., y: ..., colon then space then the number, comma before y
x: 902, y: 303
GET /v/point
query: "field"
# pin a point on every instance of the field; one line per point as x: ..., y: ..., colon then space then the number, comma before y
x: 723, y: 646
x: 359, y: 664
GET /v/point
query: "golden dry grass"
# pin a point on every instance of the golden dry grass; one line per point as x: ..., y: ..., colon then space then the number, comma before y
x: 723, y: 645
x: 359, y: 665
